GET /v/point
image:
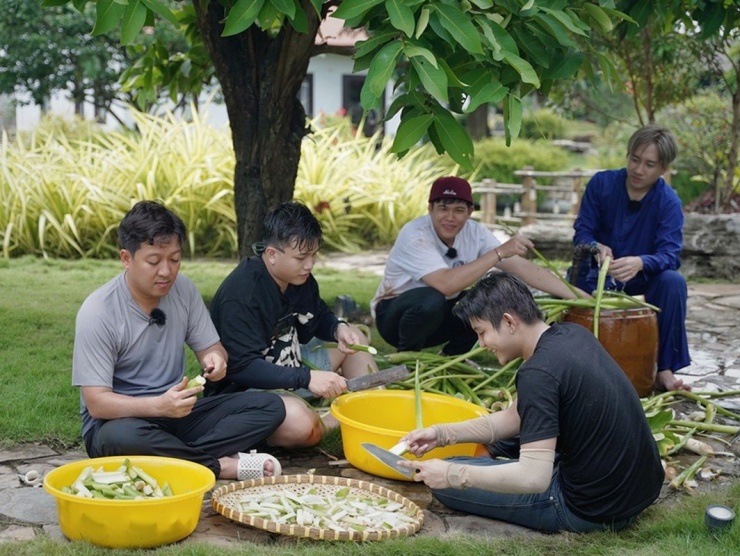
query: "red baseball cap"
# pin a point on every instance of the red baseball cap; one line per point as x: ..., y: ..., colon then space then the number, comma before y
x: 451, y: 188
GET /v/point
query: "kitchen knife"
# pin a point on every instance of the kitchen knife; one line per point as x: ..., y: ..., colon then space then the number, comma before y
x: 399, y: 372
x: 388, y: 458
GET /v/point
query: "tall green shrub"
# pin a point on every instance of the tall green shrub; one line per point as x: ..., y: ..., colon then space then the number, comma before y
x: 493, y: 159
x: 64, y: 188
x: 542, y: 124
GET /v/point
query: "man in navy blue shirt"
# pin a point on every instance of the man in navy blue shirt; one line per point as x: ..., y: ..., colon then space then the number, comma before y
x: 634, y: 217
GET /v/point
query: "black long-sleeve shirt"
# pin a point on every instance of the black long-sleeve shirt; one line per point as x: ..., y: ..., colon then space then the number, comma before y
x: 261, y: 328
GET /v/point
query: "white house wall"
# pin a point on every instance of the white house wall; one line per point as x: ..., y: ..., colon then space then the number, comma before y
x: 327, y: 71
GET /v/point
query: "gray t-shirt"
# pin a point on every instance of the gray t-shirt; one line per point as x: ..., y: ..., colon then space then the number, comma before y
x: 118, y: 347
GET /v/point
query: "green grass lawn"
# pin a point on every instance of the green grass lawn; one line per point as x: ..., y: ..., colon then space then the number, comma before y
x: 38, y: 303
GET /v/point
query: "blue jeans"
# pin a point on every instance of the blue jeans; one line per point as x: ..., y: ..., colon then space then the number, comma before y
x: 545, y: 511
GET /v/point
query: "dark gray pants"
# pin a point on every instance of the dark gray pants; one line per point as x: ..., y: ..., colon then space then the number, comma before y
x: 218, y: 426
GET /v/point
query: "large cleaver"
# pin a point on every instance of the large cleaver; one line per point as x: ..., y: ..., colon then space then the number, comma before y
x: 388, y: 458
x: 399, y: 372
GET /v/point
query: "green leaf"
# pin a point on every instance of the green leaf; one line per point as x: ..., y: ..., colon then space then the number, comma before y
x: 618, y: 15
x: 565, y: 20
x: 532, y: 45
x: 460, y: 27
x: 375, y: 41
x: 286, y: 7
x: 402, y: 101
x: 107, y: 15
x: 492, y: 92
x: 241, y: 16
x: 401, y: 16
x: 349, y: 9
x: 53, y: 3
x: 452, y: 79
x: 523, y: 68
x: 381, y: 68
x: 566, y: 65
x: 659, y: 420
x: 434, y: 79
x: 454, y: 139
x: 410, y: 132
x: 317, y: 5
x: 551, y: 26
x: 483, y: 4
x: 300, y: 21
x: 502, y: 36
x: 133, y: 20
x: 711, y: 18
x: 512, y: 118
x: 270, y: 19
x: 423, y: 21
x: 599, y: 16
x: 411, y: 50
x: 439, y: 30
x: 161, y: 10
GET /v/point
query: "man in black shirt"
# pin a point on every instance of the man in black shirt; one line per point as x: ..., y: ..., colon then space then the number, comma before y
x: 268, y: 309
x: 573, y: 400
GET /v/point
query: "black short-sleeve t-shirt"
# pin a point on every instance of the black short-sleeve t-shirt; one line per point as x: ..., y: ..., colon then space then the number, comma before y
x: 572, y: 389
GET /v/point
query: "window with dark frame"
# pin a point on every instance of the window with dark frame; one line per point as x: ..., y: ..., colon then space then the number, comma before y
x: 351, y: 87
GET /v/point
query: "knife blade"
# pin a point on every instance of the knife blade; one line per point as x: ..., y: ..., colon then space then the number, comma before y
x: 388, y: 458
x: 399, y: 372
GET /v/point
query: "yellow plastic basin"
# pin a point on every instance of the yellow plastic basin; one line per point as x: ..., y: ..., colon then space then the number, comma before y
x: 382, y: 417
x: 132, y: 523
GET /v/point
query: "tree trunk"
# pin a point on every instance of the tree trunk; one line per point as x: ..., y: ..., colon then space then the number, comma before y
x: 260, y: 76
x: 647, y: 46
x: 477, y: 124
x: 727, y: 190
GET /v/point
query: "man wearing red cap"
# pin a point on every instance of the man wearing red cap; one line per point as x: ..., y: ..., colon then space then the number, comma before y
x: 435, y: 258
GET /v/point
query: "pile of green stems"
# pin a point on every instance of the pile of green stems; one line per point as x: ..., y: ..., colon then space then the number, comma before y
x: 455, y: 376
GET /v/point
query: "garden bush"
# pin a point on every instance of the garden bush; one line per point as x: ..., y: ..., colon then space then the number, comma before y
x: 542, y: 124
x: 65, y: 186
x: 493, y: 159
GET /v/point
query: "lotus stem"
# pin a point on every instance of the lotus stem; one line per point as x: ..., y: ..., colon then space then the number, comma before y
x: 600, y: 293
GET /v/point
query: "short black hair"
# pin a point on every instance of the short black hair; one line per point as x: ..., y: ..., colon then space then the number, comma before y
x: 292, y: 224
x: 149, y: 222
x: 495, y: 294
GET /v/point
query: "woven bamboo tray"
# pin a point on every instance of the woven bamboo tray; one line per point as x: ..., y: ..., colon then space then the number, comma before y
x: 225, y: 500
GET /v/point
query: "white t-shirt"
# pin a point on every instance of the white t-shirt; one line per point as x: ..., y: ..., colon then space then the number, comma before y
x: 116, y: 346
x: 418, y: 251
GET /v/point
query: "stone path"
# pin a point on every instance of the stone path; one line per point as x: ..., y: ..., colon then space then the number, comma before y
x: 714, y: 336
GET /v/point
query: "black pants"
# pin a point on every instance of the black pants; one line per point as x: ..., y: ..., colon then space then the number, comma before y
x: 421, y: 318
x: 218, y: 426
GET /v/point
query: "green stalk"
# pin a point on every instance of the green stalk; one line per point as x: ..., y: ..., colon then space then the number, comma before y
x: 687, y: 474
x: 680, y: 444
x: 510, y: 365
x: 600, y: 293
x: 634, y: 300
x: 355, y: 347
x: 711, y: 427
x: 701, y: 398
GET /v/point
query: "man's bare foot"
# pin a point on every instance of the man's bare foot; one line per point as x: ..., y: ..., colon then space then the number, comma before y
x: 666, y: 381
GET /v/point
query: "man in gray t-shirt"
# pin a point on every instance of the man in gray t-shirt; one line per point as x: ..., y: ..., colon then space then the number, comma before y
x: 129, y: 362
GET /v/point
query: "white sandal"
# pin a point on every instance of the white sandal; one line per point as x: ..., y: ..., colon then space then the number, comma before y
x: 252, y: 465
